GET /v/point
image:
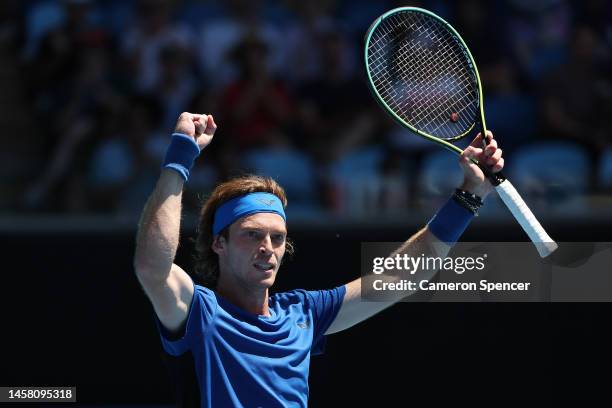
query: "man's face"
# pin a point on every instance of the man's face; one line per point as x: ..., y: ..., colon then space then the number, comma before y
x: 253, y: 253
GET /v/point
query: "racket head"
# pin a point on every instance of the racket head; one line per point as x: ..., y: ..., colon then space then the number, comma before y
x: 422, y: 73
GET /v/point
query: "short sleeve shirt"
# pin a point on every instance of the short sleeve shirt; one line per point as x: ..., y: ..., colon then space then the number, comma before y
x: 247, y: 360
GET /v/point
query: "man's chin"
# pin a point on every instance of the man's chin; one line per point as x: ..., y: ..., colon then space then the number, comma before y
x: 268, y: 282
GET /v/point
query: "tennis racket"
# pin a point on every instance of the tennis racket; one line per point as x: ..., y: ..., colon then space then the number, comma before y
x: 423, y: 74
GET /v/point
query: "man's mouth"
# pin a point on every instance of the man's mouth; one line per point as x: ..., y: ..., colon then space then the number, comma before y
x: 263, y: 266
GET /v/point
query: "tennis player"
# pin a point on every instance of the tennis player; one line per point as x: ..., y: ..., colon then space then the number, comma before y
x: 251, y: 349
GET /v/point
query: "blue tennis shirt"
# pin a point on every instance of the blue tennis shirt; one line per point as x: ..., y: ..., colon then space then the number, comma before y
x: 247, y: 360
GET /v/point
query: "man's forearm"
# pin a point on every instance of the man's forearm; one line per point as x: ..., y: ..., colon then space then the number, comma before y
x: 423, y: 243
x: 354, y: 310
x: 159, y: 228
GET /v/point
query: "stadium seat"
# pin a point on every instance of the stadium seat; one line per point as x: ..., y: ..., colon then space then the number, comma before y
x: 439, y: 175
x: 355, y: 173
x: 365, y: 161
x: 553, y: 171
x: 604, y: 174
x: 111, y: 164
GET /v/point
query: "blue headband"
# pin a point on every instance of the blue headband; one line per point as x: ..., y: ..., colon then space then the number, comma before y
x: 245, y: 205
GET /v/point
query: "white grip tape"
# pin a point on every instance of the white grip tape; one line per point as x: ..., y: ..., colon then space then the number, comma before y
x: 544, y: 244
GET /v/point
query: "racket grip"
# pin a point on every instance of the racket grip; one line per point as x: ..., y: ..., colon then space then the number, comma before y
x: 544, y: 243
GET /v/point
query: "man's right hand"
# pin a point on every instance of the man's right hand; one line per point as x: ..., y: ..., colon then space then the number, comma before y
x: 201, y: 127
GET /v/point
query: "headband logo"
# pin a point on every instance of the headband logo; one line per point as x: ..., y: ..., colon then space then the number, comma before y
x: 266, y: 202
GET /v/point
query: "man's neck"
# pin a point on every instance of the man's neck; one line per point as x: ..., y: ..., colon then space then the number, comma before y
x: 253, y: 301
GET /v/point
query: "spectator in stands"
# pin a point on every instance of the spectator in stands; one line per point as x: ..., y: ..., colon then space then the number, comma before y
x: 537, y: 35
x: 177, y: 82
x: 335, y: 109
x: 152, y: 32
x: 90, y: 96
x: 219, y: 37
x: 576, y: 98
x: 304, y: 54
x: 257, y: 106
x: 126, y: 157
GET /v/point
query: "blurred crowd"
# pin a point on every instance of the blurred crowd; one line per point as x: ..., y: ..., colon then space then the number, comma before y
x: 91, y: 91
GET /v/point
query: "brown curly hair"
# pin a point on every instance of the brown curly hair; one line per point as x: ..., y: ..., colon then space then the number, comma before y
x: 206, y: 260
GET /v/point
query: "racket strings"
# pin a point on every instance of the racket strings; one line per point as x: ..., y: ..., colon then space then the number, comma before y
x: 421, y: 71
x: 429, y: 70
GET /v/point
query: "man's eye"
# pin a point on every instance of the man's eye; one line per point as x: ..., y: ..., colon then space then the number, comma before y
x: 253, y: 234
x: 278, y: 237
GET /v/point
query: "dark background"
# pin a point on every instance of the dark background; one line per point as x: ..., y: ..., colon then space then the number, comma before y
x: 90, y: 92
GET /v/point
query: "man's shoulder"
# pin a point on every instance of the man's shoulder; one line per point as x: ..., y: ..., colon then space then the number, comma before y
x: 199, y: 290
x: 206, y: 295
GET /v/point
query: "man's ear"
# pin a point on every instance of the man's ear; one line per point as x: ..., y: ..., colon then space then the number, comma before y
x: 218, y: 244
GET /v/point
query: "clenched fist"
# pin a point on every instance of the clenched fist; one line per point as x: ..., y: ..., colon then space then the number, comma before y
x: 201, y: 127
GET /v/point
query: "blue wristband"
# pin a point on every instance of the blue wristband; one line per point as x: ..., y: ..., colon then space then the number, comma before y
x: 181, y: 154
x: 450, y: 221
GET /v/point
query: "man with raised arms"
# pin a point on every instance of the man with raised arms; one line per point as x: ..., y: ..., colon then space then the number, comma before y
x: 248, y: 348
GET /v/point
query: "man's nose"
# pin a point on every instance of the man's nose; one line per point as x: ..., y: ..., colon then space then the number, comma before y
x: 266, y: 245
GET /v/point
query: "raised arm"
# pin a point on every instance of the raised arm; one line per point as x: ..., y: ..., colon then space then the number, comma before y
x: 425, y: 242
x: 169, y: 287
